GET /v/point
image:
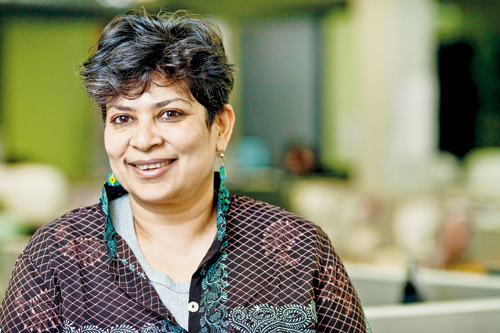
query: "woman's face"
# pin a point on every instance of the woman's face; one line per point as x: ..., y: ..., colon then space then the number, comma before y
x: 159, y: 146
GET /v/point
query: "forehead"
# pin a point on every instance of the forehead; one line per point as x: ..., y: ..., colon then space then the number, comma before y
x: 156, y: 95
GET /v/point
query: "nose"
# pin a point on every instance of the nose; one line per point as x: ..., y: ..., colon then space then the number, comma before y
x: 145, y: 136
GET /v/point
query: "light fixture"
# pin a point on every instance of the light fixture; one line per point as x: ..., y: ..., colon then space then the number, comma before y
x: 121, y: 3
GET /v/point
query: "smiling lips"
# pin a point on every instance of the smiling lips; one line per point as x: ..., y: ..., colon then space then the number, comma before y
x: 150, y: 168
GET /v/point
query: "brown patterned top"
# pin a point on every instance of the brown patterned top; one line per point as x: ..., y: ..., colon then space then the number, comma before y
x: 271, y: 271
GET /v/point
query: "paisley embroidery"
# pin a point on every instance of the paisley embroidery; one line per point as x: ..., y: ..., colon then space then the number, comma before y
x: 223, y: 203
x: 148, y: 328
x: 171, y: 328
x: 38, y: 313
x: 221, y: 226
x: 109, y: 229
x: 265, y: 318
x: 87, y: 251
x: 336, y: 286
x: 279, y: 237
x: 214, y: 294
x: 61, y: 233
x: 214, y: 318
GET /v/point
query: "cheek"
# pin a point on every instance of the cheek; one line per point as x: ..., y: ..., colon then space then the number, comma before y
x: 114, y: 144
x: 196, y: 141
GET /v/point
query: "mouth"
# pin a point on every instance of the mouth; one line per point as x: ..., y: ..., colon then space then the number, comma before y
x: 153, y: 166
x: 149, y: 166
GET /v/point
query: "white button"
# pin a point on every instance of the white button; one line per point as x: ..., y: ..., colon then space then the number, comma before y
x: 193, y: 306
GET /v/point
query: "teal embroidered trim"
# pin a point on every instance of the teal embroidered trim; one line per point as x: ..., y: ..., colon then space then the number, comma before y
x: 214, y: 295
x: 110, y: 235
x: 223, y: 203
x: 214, y: 318
x: 214, y: 279
x: 273, y: 319
x: 367, y: 324
x: 171, y: 328
x: 109, y: 229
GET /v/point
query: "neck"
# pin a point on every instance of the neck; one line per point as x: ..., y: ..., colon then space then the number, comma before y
x: 174, y: 239
x: 189, y: 219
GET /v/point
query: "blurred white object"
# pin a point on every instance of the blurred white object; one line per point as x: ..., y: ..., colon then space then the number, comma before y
x: 33, y: 192
x: 347, y: 217
x: 456, y: 302
x: 483, y: 184
x: 483, y: 172
x: 439, y: 171
x: 318, y: 202
x: 416, y: 223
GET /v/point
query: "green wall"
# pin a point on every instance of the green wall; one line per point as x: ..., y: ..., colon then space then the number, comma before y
x: 45, y: 114
x: 341, y: 132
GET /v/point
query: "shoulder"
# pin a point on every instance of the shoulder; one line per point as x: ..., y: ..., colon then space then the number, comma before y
x: 254, y: 216
x: 77, y: 228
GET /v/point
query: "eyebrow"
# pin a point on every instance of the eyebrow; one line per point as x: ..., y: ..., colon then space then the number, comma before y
x: 168, y: 101
x: 154, y: 106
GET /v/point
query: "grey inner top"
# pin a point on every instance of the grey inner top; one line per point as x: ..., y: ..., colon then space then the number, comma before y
x: 174, y: 295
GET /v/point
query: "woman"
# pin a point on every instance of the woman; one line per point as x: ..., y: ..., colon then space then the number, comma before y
x: 167, y: 249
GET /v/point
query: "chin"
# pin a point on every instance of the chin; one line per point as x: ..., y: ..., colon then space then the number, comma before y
x: 152, y: 196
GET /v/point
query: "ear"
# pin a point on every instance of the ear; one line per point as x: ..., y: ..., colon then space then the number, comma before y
x: 225, y: 123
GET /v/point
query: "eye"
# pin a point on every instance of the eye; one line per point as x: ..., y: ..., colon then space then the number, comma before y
x: 121, y: 120
x: 170, y: 114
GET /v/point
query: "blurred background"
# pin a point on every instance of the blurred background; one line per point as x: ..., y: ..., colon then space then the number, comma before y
x: 379, y: 120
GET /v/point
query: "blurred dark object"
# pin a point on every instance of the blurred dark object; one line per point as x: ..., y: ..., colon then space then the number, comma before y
x: 410, y: 292
x: 459, y: 103
x: 12, y: 159
x: 28, y: 229
x: 300, y: 160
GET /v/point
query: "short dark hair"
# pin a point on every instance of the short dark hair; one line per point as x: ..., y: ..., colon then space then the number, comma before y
x: 137, y: 49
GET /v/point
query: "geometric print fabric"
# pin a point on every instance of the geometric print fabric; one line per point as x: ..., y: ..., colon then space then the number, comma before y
x: 282, y: 275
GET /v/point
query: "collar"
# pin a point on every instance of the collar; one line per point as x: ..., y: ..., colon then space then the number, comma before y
x: 111, y: 191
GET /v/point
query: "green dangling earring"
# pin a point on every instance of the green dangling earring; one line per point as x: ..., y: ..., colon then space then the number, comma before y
x: 222, y: 170
x: 112, y: 180
x: 223, y: 197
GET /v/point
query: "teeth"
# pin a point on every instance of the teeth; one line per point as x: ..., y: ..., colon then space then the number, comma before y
x: 151, y: 166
